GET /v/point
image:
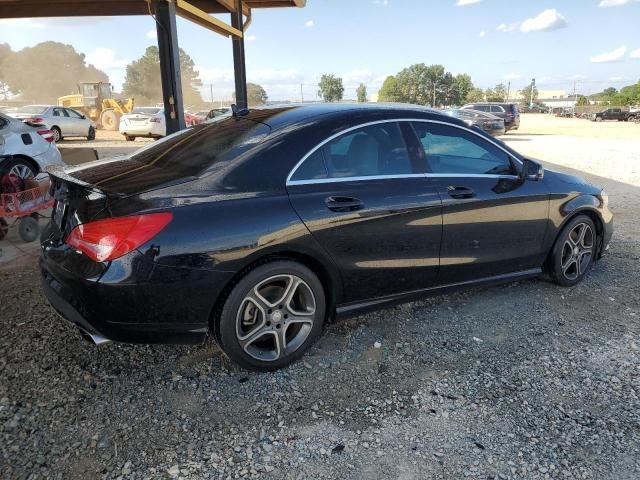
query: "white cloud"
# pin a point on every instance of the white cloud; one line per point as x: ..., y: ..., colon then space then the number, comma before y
x: 384, y: 3
x: 105, y: 59
x: 635, y: 53
x: 615, y: 3
x: 615, y: 55
x: 309, y: 23
x: 578, y: 76
x: 153, y: 34
x: 250, y: 38
x: 545, y: 21
x: 512, y: 76
x: 356, y: 77
x: 464, y: 3
x: 616, y: 79
x: 482, y: 34
x: 511, y: 27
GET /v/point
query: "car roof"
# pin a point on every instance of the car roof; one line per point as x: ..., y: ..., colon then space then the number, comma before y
x: 285, y: 115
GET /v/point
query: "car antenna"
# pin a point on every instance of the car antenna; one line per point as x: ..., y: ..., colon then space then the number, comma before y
x: 238, y: 112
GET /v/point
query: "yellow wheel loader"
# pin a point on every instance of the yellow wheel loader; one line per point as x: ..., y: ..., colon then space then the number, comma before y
x: 95, y: 100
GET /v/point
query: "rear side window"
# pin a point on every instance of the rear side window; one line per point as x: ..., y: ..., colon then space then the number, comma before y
x: 59, y: 112
x: 374, y: 150
x: 497, y: 109
x: 451, y: 150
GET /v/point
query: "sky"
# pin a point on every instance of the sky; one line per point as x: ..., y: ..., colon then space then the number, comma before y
x: 589, y: 44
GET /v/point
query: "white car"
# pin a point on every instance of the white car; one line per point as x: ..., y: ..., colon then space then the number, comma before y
x: 148, y: 122
x: 25, y: 150
x: 63, y: 122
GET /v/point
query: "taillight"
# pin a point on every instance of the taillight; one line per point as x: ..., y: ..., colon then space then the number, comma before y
x: 154, y: 119
x: 33, y: 120
x: 47, y: 135
x: 110, y: 238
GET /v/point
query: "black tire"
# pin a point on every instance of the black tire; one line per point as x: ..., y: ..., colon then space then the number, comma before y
x: 227, y: 329
x: 129, y: 138
x: 91, y: 135
x: 29, y: 229
x: 21, y: 168
x: 57, y: 134
x: 559, y: 258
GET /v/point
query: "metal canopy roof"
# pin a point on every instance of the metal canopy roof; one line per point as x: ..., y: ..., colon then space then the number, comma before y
x: 86, y: 8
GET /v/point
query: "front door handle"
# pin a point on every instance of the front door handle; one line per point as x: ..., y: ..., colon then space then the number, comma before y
x: 343, y: 204
x: 455, y: 191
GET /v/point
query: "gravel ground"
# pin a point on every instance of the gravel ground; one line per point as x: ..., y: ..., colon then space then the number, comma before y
x: 526, y: 380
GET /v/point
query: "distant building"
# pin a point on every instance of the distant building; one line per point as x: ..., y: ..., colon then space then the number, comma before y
x: 550, y: 98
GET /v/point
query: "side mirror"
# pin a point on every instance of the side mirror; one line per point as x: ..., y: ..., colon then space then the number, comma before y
x: 84, y: 117
x: 532, y: 170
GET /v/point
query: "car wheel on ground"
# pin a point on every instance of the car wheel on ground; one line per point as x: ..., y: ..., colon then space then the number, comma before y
x: 21, y: 168
x: 57, y: 134
x: 91, y: 135
x: 574, y: 251
x: 129, y: 138
x: 29, y: 229
x: 598, y: 119
x: 272, y: 316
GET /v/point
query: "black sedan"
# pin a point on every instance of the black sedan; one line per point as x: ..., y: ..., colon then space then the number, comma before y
x: 261, y: 226
x: 485, y: 121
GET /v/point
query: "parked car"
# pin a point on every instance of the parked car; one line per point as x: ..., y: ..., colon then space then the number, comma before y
x: 25, y: 150
x: 63, y: 122
x: 361, y: 206
x: 612, y: 114
x: 507, y: 111
x: 485, y: 121
x: 147, y: 122
x: 218, y: 112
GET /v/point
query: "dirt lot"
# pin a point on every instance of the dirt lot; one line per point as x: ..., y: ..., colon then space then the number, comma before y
x: 527, y: 381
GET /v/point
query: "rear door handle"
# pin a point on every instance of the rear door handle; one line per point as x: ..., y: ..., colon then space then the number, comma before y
x: 455, y: 191
x: 343, y: 204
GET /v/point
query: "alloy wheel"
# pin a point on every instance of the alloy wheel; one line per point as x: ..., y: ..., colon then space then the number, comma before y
x: 275, y: 317
x: 22, y: 171
x: 577, y: 251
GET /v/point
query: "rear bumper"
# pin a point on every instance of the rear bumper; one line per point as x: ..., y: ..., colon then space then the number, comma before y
x: 170, y: 305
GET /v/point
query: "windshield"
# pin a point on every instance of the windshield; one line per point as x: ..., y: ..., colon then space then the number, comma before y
x: 33, y: 109
x: 147, y: 110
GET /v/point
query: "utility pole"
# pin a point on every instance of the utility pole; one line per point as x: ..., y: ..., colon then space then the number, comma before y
x: 301, y: 94
x: 434, y: 95
x: 211, y: 92
x: 508, y: 89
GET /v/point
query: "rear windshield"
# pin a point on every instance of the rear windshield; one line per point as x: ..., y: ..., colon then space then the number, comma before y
x: 147, y: 110
x: 32, y: 109
x: 179, y: 157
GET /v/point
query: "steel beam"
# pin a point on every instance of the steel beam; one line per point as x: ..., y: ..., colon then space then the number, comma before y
x: 169, y: 64
x: 239, y: 66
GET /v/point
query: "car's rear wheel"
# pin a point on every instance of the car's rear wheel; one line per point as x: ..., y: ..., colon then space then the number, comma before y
x: 57, y: 134
x: 21, y: 168
x: 598, y: 119
x: 129, y: 138
x: 272, y: 316
x: 574, y: 251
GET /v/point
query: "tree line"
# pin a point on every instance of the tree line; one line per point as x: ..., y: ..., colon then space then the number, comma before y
x: 50, y: 70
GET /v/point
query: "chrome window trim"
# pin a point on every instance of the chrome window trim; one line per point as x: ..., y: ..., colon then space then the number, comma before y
x: 380, y: 177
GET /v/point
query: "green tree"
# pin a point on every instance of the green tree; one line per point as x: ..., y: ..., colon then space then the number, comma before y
x: 46, y: 71
x: 475, y: 95
x: 422, y: 85
x: 142, y: 80
x: 361, y: 93
x: 330, y: 88
x: 461, y: 87
x: 256, y: 95
x: 389, y: 92
x: 497, y: 94
x: 526, y: 94
x: 582, y: 101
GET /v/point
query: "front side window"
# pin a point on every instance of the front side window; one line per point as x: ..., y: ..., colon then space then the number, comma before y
x: 368, y: 151
x: 455, y: 151
x: 73, y: 113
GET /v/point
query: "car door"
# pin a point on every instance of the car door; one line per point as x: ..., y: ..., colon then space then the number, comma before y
x: 79, y: 126
x: 61, y: 119
x: 494, y: 222
x: 369, y: 204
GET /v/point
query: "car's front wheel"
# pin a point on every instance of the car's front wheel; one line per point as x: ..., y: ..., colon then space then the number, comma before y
x: 91, y: 134
x: 272, y: 316
x: 574, y: 251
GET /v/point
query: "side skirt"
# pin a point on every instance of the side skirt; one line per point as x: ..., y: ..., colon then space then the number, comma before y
x: 349, y: 309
